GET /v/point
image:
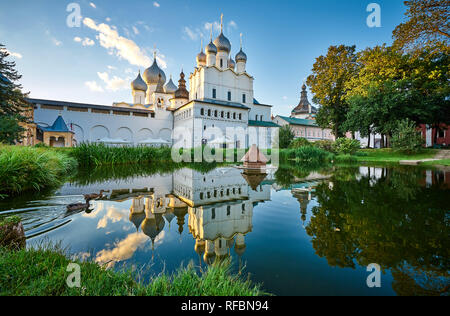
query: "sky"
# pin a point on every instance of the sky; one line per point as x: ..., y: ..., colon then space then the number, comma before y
x: 95, y: 61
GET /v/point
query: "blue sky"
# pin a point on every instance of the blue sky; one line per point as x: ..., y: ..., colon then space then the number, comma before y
x: 96, y: 62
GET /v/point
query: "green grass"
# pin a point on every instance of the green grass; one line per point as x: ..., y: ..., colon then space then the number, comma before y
x: 42, y: 272
x: 443, y: 162
x: 32, y: 169
x: 389, y: 155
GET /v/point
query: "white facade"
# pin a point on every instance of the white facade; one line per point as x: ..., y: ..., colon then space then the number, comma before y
x: 220, y: 100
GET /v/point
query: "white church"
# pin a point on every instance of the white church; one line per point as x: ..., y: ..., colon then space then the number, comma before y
x: 219, y: 109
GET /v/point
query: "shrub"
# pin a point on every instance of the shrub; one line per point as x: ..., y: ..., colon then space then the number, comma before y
x: 285, y: 136
x: 27, y: 168
x: 346, y: 146
x: 300, y: 142
x: 325, y: 145
x: 345, y: 159
x: 407, y: 138
x: 308, y: 154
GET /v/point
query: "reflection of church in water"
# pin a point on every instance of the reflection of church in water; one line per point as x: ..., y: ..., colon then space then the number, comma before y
x: 219, y: 206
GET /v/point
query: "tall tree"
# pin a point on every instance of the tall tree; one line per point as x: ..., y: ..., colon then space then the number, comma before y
x: 427, y: 20
x: 13, y: 104
x: 328, y: 83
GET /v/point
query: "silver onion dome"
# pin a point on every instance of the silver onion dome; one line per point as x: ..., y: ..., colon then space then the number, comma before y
x: 201, y: 57
x: 151, y: 74
x: 222, y: 43
x: 211, y: 48
x: 170, y: 87
x: 241, y: 57
x: 139, y: 84
x: 231, y: 63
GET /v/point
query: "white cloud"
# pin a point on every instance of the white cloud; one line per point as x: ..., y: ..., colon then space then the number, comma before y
x: 94, y: 86
x: 14, y: 54
x: 193, y: 35
x: 115, y: 83
x: 108, y: 19
x: 92, y: 4
x: 156, y: 4
x: 86, y: 42
x: 56, y: 42
x: 135, y: 30
x: 285, y: 98
x: 112, y: 68
x: 215, y: 25
x: 123, y: 47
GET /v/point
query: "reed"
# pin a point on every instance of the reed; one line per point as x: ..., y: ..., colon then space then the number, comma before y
x: 32, y: 169
x: 99, y: 154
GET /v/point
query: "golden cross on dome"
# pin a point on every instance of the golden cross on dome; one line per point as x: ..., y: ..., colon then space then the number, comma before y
x: 221, y: 23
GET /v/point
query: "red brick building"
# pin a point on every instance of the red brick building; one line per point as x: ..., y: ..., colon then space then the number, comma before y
x: 443, y: 136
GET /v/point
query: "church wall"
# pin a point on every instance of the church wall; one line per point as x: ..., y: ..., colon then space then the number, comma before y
x: 90, y: 127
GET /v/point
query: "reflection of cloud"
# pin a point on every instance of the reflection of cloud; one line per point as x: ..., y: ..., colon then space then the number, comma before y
x: 123, y: 250
x: 114, y: 215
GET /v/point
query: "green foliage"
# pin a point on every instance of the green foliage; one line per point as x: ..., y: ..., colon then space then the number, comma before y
x: 285, y: 137
x: 407, y: 138
x: 328, y: 83
x: 10, y: 130
x: 42, y: 272
x: 26, y: 168
x: 326, y: 145
x: 12, y: 101
x: 346, y: 146
x: 300, y: 142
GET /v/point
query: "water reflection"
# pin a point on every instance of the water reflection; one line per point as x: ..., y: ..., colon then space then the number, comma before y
x: 398, y: 218
x: 299, y: 230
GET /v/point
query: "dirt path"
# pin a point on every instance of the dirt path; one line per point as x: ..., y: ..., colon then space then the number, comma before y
x: 442, y: 154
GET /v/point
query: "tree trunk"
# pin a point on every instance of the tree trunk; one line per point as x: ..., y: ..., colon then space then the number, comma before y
x: 382, y: 141
x: 388, y: 141
x: 368, y: 137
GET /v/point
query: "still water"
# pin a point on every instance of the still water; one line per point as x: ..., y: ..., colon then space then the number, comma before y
x: 296, y: 230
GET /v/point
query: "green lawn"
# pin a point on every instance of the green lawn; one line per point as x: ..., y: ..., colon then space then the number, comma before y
x: 388, y: 155
x: 444, y: 162
x: 43, y: 272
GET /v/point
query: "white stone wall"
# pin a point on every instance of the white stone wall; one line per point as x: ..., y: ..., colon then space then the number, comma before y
x: 90, y: 127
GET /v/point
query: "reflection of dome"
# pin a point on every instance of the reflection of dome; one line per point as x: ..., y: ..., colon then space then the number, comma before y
x: 180, y: 213
x: 139, y: 84
x: 170, y: 87
x: 239, y: 250
x: 222, y: 43
x: 169, y: 216
x: 199, y: 246
x: 151, y: 74
x: 152, y: 227
x: 137, y: 219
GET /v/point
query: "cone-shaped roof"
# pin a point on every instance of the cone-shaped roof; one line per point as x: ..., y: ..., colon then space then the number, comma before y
x: 254, y: 155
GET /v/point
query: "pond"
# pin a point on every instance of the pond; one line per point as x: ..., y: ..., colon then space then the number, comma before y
x: 297, y: 230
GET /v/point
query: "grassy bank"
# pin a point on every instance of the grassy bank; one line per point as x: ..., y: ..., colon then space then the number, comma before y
x: 98, y: 155
x: 32, y: 169
x: 443, y: 162
x: 389, y: 155
x: 42, y: 272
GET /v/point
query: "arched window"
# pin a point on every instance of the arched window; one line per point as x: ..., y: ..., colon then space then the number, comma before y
x: 229, y: 95
x: 228, y: 115
x: 215, y: 113
x: 209, y: 112
x: 222, y: 114
x: 202, y: 111
x: 240, y: 116
x: 234, y: 116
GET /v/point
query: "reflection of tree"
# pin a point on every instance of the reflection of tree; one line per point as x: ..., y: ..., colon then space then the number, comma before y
x: 392, y: 221
x: 287, y: 173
